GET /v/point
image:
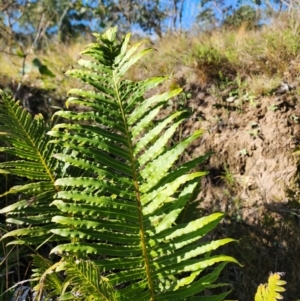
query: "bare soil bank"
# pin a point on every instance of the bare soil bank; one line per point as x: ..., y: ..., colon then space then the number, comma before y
x: 253, y: 177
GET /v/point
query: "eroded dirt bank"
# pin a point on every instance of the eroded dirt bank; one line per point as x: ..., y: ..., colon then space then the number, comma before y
x: 253, y: 177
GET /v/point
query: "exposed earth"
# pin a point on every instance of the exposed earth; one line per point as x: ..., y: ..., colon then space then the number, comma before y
x: 253, y: 176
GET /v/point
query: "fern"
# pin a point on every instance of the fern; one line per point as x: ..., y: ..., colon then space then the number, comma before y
x: 118, y: 194
x: 27, y: 141
x: 83, y: 280
x: 49, y: 284
x: 124, y: 212
x: 271, y: 291
x: 86, y: 281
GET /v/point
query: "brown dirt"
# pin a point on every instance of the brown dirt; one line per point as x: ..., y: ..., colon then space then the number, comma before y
x: 34, y: 99
x: 252, y: 177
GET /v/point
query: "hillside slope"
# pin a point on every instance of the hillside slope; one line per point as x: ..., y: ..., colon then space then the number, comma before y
x: 242, y: 88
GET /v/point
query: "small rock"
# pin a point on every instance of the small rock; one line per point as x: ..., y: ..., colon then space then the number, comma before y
x: 231, y: 99
x: 284, y: 87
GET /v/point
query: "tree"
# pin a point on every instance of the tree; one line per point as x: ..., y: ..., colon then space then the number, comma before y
x: 34, y: 21
x: 216, y: 13
x: 245, y: 14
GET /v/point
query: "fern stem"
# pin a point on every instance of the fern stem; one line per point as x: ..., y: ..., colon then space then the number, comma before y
x: 137, y: 193
x: 4, y: 248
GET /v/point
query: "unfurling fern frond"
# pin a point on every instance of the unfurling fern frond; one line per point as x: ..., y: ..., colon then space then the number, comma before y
x: 272, y: 290
x: 124, y: 213
x: 27, y: 143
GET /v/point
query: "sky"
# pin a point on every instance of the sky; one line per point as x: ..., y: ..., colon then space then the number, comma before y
x: 192, y: 7
x: 190, y: 12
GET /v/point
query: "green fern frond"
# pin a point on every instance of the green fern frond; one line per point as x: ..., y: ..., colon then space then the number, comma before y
x: 27, y: 144
x: 25, y: 136
x: 272, y: 290
x: 124, y: 213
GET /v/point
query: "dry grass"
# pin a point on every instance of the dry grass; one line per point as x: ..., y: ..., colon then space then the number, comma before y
x: 259, y: 85
x: 261, y: 57
x: 58, y: 59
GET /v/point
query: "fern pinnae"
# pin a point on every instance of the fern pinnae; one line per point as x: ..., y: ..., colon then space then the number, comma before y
x: 161, y: 165
x: 154, y: 133
x: 142, y: 109
x: 135, y: 90
x: 26, y: 140
x: 272, y: 290
x: 91, y: 96
x: 20, y: 127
